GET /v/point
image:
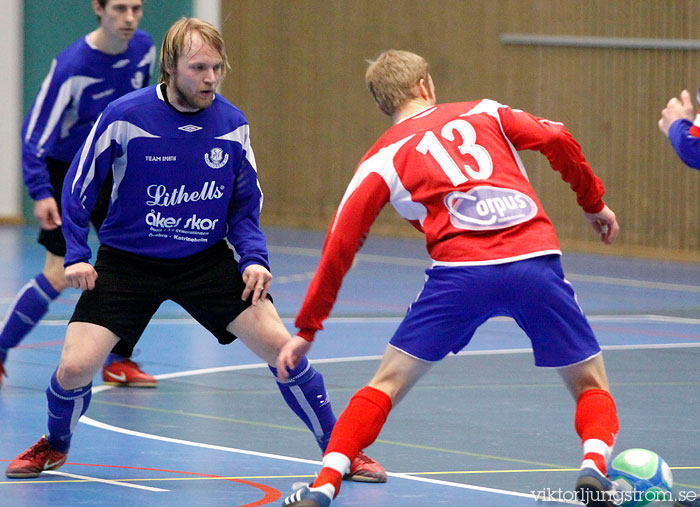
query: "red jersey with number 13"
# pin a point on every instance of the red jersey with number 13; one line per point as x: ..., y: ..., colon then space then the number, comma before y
x: 454, y: 173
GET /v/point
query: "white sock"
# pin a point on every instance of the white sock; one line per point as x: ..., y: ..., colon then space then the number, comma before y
x: 337, y: 461
x: 327, y: 489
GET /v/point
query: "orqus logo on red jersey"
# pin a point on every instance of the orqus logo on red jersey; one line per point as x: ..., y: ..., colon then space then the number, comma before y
x: 484, y: 208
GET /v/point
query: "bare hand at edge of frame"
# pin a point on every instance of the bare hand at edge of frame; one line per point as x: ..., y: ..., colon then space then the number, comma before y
x: 676, y: 110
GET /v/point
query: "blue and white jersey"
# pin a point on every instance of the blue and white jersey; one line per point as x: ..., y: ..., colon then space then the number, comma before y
x: 182, y: 181
x: 80, y: 84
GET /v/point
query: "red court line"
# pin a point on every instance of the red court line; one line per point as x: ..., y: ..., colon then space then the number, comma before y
x: 270, y: 494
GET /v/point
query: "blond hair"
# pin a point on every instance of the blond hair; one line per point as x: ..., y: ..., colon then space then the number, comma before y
x: 393, y: 78
x: 179, y: 34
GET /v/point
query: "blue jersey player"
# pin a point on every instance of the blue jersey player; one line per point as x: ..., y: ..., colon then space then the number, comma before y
x: 679, y: 123
x: 107, y: 63
x: 185, y: 190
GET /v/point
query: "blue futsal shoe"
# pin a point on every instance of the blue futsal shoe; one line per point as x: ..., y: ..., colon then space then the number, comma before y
x: 304, y: 497
x: 596, y: 490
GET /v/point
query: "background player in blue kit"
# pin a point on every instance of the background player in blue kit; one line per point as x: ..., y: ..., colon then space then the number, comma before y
x: 678, y: 124
x: 185, y: 187
x: 107, y: 63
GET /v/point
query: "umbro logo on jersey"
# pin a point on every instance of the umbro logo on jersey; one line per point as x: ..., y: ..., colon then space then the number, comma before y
x: 190, y: 128
x: 121, y: 63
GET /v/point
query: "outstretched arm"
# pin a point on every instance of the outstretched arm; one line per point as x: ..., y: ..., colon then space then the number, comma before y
x: 676, y: 110
x: 677, y: 123
x: 364, y: 198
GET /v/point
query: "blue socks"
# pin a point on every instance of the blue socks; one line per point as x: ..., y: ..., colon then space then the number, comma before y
x: 65, y: 408
x: 305, y: 393
x: 30, y: 305
x: 112, y: 357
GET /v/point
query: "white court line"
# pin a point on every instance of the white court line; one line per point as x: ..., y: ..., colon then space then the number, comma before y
x: 92, y: 422
x: 97, y: 424
x: 350, y: 359
x: 186, y: 319
x: 116, y: 429
x: 627, y: 282
x: 479, y: 488
x: 105, y: 481
x: 644, y: 317
x: 596, y: 318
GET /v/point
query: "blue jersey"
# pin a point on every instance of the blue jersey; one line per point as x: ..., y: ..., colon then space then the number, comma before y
x: 182, y: 181
x: 80, y: 84
x: 685, y: 139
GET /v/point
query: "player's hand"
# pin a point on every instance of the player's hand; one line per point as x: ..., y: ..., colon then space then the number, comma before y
x: 81, y: 276
x: 46, y: 211
x: 290, y: 355
x: 257, y: 281
x: 675, y: 110
x: 604, y: 223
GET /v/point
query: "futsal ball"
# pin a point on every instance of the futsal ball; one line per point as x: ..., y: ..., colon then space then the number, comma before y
x: 642, y: 477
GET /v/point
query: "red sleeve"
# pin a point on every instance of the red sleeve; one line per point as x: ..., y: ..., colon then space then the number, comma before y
x: 527, y: 132
x: 352, y: 221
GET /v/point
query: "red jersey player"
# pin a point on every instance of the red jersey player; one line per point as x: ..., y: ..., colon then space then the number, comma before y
x: 453, y: 171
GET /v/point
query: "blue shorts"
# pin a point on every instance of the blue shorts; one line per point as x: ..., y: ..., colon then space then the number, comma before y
x: 455, y: 301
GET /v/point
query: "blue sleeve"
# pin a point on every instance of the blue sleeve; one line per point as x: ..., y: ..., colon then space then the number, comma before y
x: 151, y: 59
x: 244, y: 231
x: 82, y: 183
x: 40, y: 131
x: 685, y: 142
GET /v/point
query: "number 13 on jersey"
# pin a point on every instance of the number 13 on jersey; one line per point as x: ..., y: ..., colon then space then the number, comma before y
x: 434, y: 146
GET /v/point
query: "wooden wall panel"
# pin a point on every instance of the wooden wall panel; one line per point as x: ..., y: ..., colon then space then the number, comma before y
x: 298, y: 74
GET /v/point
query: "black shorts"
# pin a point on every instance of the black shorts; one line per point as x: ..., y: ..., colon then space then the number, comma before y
x: 130, y: 288
x: 53, y: 239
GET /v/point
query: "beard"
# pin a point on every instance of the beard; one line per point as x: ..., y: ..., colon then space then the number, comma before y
x: 191, y: 101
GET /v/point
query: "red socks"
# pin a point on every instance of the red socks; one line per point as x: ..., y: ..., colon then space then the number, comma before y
x: 357, y: 427
x: 597, y: 425
x: 360, y: 423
